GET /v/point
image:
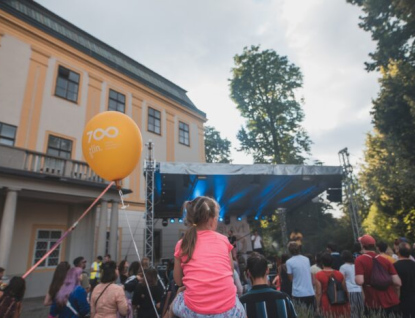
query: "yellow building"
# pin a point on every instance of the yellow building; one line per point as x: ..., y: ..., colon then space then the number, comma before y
x: 55, y: 77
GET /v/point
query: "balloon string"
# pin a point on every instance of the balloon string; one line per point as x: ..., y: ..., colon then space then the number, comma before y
x: 67, y: 232
x: 123, y: 207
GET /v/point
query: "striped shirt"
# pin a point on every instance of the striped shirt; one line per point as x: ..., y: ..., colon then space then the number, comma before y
x: 263, y: 301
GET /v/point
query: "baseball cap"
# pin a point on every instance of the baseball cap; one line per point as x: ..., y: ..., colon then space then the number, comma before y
x: 367, y: 240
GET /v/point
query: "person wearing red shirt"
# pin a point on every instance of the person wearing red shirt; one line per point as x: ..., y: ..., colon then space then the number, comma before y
x: 386, y: 301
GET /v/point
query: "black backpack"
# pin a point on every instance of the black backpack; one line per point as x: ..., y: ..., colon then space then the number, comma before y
x: 335, y: 292
x: 380, y: 278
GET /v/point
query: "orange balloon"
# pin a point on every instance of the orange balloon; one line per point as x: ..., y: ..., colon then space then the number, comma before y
x: 112, y: 145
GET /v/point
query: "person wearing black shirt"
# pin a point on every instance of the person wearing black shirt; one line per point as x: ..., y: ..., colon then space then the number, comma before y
x: 263, y: 301
x: 406, y: 271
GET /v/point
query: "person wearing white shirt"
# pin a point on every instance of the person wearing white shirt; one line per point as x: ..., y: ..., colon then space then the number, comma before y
x: 298, y: 270
x: 355, y: 291
x: 257, y: 243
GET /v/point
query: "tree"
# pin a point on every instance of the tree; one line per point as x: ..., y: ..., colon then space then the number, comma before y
x: 217, y: 149
x: 388, y: 174
x: 263, y: 86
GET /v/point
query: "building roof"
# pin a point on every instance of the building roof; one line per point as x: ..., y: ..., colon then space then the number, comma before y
x: 50, y: 23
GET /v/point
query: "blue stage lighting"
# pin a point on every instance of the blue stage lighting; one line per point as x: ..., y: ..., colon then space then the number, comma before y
x: 256, y: 218
x: 180, y: 220
x: 239, y: 218
x: 220, y: 219
x: 263, y: 217
x: 172, y: 220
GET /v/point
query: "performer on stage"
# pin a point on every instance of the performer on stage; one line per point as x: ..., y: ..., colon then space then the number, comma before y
x: 257, y: 244
x: 232, y: 240
x: 297, y: 237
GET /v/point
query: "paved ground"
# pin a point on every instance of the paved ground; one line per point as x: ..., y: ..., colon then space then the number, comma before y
x: 33, y: 308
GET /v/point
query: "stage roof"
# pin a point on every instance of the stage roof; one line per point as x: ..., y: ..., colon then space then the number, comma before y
x: 242, y: 190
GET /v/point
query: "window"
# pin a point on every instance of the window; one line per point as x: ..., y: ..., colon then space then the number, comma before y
x: 59, y: 147
x: 67, y: 84
x: 7, y: 134
x: 184, y: 134
x: 154, y: 123
x: 116, y: 101
x: 45, y: 239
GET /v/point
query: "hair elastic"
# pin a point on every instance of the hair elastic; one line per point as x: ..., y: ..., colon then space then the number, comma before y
x: 194, y: 224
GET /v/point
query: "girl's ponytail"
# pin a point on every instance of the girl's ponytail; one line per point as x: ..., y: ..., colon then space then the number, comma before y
x: 198, y: 213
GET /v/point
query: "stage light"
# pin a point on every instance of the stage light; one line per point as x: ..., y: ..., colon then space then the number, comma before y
x: 239, y: 218
x: 172, y: 220
x: 220, y: 219
x: 164, y: 222
x: 180, y: 220
x: 263, y: 217
x: 256, y: 218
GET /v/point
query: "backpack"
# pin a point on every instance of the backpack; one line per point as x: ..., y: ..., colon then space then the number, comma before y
x: 380, y: 278
x: 8, y: 306
x: 335, y: 292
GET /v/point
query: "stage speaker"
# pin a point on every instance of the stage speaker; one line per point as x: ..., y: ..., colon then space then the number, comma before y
x: 334, y: 195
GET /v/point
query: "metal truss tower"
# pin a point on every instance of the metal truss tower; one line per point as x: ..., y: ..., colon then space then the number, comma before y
x: 349, y: 186
x: 149, y: 168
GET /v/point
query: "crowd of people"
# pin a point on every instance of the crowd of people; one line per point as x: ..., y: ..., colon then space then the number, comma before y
x: 208, y: 278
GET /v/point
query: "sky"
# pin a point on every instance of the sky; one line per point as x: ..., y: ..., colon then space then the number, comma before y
x: 193, y: 42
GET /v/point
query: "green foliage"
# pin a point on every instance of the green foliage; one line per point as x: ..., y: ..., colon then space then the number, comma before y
x: 389, y: 183
x: 317, y: 225
x: 387, y: 177
x: 263, y: 87
x: 217, y: 149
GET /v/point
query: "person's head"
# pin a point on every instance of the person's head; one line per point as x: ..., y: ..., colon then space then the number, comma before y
x: 72, y: 279
x: 151, y: 276
x: 79, y: 262
x: 1, y: 272
x: 284, y: 258
x: 293, y: 248
x: 134, y: 268
x: 109, y: 272
x: 331, y: 247
x: 201, y: 213
x: 123, y: 267
x: 347, y: 256
x: 58, y: 278
x: 107, y: 258
x: 382, y: 246
x: 145, y: 262
x: 16, y: 288
x: 257, y: 266
x: 99, y: 259
x: 357, y: 247
x: 404, y: 250
x: 318, y: 259
x: 310, y: 258
x: 368, y: 242
x: 326, y: 259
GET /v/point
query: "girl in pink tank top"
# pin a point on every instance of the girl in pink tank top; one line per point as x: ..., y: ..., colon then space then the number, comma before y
x: 203, y: 265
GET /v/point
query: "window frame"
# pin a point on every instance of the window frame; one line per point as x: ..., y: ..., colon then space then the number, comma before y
x: 155, y: 119
x: 68, y: 81
x: 6, y: 137
x: 183, y: 132
x: 50, y: 242
x: 59, y: 149
x: 116, y: 100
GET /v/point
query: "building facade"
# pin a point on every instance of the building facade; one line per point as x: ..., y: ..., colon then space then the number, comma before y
x: 54, y: 78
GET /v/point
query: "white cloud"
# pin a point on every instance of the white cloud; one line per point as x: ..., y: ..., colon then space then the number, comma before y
x: 192, y: 43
